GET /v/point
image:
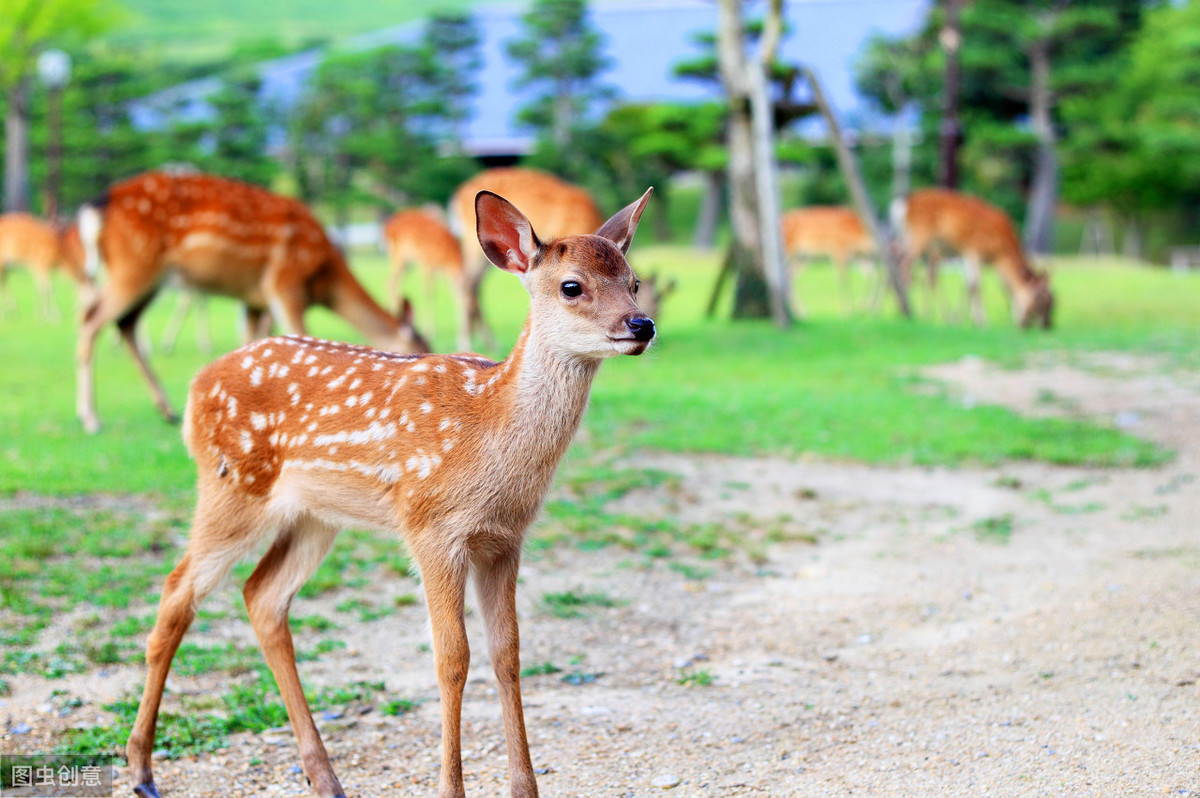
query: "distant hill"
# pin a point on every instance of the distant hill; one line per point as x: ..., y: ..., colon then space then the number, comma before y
x: 204, y: 29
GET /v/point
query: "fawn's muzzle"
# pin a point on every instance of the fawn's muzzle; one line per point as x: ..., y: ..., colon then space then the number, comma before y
x: 641, y: 327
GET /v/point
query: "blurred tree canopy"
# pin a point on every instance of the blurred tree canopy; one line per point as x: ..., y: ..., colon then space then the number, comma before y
x: 27, y: 27
x: 1136, y: 141
x: 379, y: 126
x: 1022, y: 60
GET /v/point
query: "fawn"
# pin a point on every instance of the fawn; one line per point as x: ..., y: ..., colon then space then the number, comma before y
x: 42, y: 247
x: 295, y: 437
x: 981, y: 233
x: 554, y: 206
x: 217, y: 236
x: 834, y: 231
x: 419, y: 237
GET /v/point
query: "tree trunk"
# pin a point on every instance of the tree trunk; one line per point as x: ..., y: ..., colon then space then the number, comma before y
x: 1131, y: 244
x: 1043, y: 195
x: 751, y: 160
x: 951, y: 130
x: 858, y: 191
x: 745, y: 253
x: 766, y: 186
x: 710, y: 211
x: 902, y: 147
x: 16, y: 149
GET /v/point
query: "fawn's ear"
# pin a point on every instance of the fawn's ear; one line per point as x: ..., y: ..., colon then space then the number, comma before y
x: 404, y: 314
x: 505, y: 234
x: 623, y: 225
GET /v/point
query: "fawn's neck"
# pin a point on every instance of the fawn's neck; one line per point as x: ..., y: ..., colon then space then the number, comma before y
x: 544, y: 393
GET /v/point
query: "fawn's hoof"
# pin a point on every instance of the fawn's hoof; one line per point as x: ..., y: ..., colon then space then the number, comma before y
x: 146, y: 790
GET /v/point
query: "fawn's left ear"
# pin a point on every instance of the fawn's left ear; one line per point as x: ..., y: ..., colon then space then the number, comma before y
x: 623, y: 225
x: 505, y: 234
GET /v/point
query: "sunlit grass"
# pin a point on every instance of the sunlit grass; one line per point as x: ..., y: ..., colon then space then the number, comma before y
x: 833, y: 385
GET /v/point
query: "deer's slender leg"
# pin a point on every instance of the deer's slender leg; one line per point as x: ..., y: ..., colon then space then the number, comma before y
x: 972, y: 273
x: 127, y: 324
x: 50, y: 311
x: 269, y: 591
x: 183, y: 304
x: 220, y: 536
x: 109, y: 306
x: 496, y: 585
x: 444, y: 576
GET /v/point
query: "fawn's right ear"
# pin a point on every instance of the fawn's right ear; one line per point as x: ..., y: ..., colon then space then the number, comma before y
x: 505, y: 234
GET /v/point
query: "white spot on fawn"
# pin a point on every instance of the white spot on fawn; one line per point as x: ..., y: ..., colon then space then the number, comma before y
x: 247, y: 362
x: 258, y: 420
x: 426, y: 407
x: 256, y: 376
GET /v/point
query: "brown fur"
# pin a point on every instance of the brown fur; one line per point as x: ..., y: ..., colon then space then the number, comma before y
x: 418, y: 237
x: 555, y: 207
x: 221, y: 237
x: 982, y: 234
x: 832, y: 231
x: 296, y: 437
x: 41, y: 247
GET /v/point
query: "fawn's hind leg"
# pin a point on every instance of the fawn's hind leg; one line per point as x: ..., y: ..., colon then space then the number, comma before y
x: 218, y: 540
x: 269, y: 591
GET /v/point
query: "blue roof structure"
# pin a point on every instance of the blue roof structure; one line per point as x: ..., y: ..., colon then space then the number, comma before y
x: 643, y: 38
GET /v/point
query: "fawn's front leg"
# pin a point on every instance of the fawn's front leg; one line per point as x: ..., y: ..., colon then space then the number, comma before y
x: 496, y: 584
x: 444, y: 576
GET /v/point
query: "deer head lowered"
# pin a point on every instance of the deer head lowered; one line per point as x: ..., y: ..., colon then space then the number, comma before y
x: 295, y: 437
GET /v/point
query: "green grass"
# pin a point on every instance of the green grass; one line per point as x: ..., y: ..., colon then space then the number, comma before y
x: 571, y: 604
x: 832, y: 386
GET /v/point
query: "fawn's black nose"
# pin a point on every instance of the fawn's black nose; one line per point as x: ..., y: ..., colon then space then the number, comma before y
x: 641, y: 327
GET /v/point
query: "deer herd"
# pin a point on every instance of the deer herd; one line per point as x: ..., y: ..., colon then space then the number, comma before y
x: 296, y: 437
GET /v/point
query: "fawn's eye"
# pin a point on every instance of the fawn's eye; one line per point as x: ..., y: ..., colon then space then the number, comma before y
x: 571, y: 289
x: 636, y: 285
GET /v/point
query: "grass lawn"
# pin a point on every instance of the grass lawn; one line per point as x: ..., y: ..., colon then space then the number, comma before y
x: 833, y: 386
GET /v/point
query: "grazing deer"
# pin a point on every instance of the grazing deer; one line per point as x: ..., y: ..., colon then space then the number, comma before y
x: 295, y: 437
x: 41, y: 247
x: 554, y: 206
x: 982, y: 234
x: 651, y: 295
x: 217, y: 236
x: 833, y: 231
x: 420, y: 237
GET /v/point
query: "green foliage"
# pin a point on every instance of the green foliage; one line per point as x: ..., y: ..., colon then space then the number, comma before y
x: 27, y: 26
x: 1138, y: 145
x: 1085, y: 40
x: 369, y: 128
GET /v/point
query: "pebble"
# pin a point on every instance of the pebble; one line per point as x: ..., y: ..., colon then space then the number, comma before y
x: 20, y: 728
x: 666, y: 781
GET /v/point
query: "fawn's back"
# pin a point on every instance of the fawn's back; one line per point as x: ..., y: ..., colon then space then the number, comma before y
x: 966, y: 224
x: 825, y: 230
x: 221, y: 235
x: 30, y: 241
